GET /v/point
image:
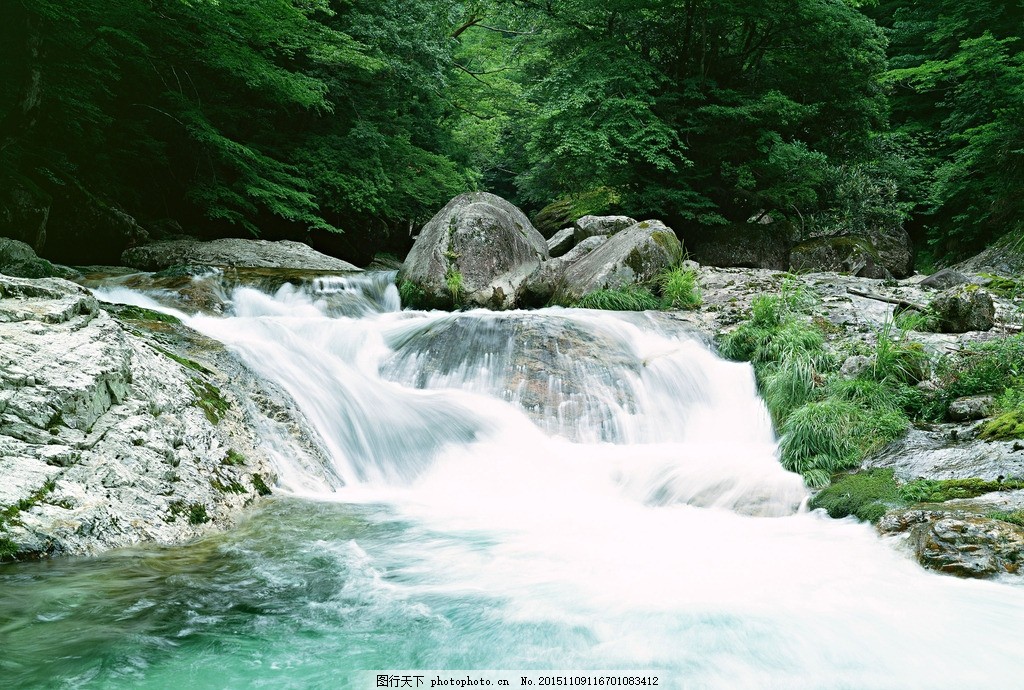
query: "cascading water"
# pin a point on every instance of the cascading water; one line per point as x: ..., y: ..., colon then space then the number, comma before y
x: 549, y: 489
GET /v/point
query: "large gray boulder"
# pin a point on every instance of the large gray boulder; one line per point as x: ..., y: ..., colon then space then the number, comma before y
x: 543, y: 282
x: 632, y: 257
x: 894, y: 249
x: 847, y: 254
x: 231, y: 252
x: 964, y: 308
x: 19, y: 260
x: 109, y: 439
x: 591, y: 226
x: 477, y: 251
x: 748, y: 245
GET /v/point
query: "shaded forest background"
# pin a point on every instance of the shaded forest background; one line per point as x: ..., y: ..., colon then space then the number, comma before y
x: 348, y: 123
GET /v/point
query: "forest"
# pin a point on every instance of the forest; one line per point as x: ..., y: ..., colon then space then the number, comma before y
x: 348, y: 123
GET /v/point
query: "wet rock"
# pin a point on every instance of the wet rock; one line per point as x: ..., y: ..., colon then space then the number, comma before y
x: 959, y: 543
x: 634, y: 256
x: 945, y: 279
x: 110, y: 438
x: 591, y: 226
x: 561, y: 242
x: 231, y: 252
x: 964, y: 308
x: 948, y: 452
x: 970, y: 408
x: 477, y: 251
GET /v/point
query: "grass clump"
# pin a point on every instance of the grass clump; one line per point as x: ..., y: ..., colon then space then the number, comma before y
x: 1015, y: 518
x: 623, y: 299
x: 679, y: 289
x: 453, y: 279
x: 194, y: 512
x: 9, y: 549
x: 865, y: 495
x: 411, y: 294
x: 941, y: 490
x: 260, y: 485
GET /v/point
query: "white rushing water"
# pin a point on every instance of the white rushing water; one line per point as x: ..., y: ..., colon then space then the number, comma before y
x: 608, y: 475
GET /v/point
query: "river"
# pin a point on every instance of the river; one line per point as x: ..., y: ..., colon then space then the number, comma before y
x: 554, y: 489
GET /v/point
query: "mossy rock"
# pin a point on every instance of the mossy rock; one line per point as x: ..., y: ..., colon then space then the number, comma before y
x: 866, y: 495
x: 847, y: 254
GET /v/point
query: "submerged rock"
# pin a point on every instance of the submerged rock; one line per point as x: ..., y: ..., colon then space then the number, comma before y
x: 231, y: 252
x: 632, y: 257
x: 110, y: 438
x: 477, y: 251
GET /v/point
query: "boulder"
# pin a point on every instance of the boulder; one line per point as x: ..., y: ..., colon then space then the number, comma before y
x: 895, y: 251
x: 561, y: 242
x: 964, y: 308
x: 749, y: 245
x: 542, y: 283
x: 847, y: 254
x: 945, y: 279
x: 959, y: 543
x: 231, y: 252
x: 971, y: 408
x: 24, y: 213
x: 554, y: 217
x: 109, y: 438
x: 634, y: 256
x: 590, y: 226
x: 477, y: 251
x: 17, y: 259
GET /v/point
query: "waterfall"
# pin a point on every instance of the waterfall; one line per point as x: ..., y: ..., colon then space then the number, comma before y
x: 548, y: 489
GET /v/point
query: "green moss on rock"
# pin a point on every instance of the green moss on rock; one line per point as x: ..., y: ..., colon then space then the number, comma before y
x: 865, y: 495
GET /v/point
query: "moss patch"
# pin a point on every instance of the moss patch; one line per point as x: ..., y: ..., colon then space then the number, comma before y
x: 233, y: 458
x: 865, y: 495
x: 183, y: 361
x: 195, y: 512
x: 132, y: 313
x: 941, y: 490
x: 1009, y: 425
x: 209, y: 399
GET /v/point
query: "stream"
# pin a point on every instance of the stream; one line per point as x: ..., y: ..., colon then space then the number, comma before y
x: 552, y: 489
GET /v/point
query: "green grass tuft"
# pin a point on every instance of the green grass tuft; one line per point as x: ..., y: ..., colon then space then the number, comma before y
x: 453, y: 279
x: 260, y: 485
x: 1014, y: 518
x: 412, y: 295
x: 625, y: 299
x: 679, y: 289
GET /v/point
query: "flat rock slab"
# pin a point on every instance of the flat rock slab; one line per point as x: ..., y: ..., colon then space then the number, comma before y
x: 231, y: 252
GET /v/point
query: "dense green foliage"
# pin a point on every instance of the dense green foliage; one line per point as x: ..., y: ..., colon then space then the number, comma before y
x: 302, y: 118
x: 865, y: 495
